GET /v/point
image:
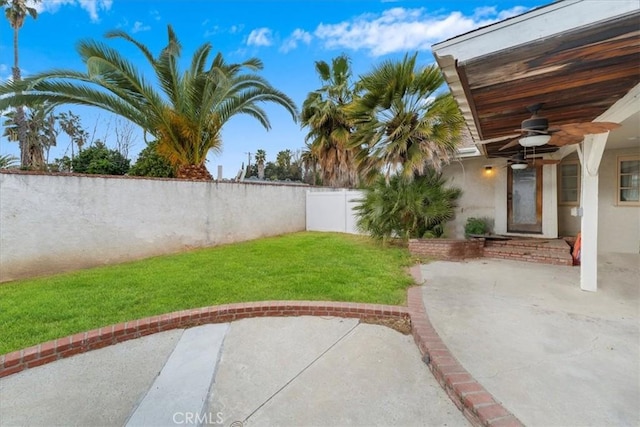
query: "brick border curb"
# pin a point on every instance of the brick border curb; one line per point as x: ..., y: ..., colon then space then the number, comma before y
x: 60, y: 348
x: 471, y: 398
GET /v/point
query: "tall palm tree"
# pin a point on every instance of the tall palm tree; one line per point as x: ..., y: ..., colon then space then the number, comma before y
x: 404, y: 119
x: 16, y: 11
x: 323, y: 112
x: 261, y: 156
x: 185, y: 116
x: 39, y: 132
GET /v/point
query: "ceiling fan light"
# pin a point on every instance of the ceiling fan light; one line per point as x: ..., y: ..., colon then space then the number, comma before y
x: 519, y: 166
x: 534, y: 140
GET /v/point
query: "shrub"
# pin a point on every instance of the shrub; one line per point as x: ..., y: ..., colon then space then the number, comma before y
x: 476, y: 226
x: 407, y: 208
x: 98, y: 159
x: 150, y: 163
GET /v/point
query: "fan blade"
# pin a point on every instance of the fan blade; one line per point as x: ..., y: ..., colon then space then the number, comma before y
x: 505, y: 138
x: 510, y: 144
x: 541, y: 132
x: 537, y: 161
x: 561, y: 139
x: 587, y: 128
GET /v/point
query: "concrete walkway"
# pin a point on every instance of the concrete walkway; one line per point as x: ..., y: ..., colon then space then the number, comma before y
x: 549, y: 352
x: 300, y: 371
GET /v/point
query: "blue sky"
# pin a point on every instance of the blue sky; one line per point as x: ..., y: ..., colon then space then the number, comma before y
x: 287, y: 35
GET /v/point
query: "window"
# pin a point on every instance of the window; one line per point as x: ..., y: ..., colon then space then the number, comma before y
x: 569, y: 183
x: 629, y: 180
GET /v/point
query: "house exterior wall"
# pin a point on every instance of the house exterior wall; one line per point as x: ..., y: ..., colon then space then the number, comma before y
x: 568, y: 225
x: 479, y: 194
x: 485, y: 195
x: 618, y: 226
x: 54, y: 223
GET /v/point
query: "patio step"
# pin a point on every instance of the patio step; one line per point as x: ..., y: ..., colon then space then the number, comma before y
x: 553, y: 251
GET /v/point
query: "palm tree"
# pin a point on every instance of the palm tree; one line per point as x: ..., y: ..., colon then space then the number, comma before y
x: 329, y: 126
x: 407, y: 208
x: 16, y: 11
x: 39, y: 132
x: 185, y: 117
x: 310, y: 164
x: 261, y: 156
x: 283, y: 159
x: 404, y: 120
x: 8, y: 161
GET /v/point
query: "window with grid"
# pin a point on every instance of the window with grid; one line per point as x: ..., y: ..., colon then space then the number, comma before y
x: 629, y: 180
x: 569, y: 183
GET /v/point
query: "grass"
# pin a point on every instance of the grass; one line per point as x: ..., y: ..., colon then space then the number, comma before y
x: 301, y: 266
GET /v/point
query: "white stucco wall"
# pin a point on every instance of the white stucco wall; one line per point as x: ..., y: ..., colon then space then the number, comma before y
x: 485, y: 195
x: 52, y: 223
x: 478, y: 198
x: 618, y: 226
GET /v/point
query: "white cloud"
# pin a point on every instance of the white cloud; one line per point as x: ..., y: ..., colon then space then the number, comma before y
x: 517, y: 10
x: 211, y: 32
x: 260, y: 37
x: 139, y: 26
x: 292, y: 41
x: 216, y: 29
x: 399, y: 29
x: 93, y: 7
x: 155, y: 15
x: 5, y: 73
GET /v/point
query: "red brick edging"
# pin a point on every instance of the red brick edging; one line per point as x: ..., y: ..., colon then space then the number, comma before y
x: 476, y: 403
x: 51, y: 351
x: 467, y: 394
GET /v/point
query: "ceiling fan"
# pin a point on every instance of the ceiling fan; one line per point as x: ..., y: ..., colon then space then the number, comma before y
x: 521, y: 160
x: 536, y: 131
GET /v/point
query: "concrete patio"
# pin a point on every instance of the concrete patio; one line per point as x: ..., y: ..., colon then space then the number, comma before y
x: 550, y: 353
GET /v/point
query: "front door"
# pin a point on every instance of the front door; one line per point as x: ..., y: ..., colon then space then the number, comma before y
x: 524, y: 200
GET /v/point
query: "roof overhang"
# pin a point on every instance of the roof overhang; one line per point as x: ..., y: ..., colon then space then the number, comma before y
x: 576, y: 57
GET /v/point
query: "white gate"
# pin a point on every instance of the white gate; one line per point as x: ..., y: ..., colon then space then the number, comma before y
x: 332, y: 210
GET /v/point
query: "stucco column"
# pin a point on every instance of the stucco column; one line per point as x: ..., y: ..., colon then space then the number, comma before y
x: 589, y: 230
x: 593, y: 149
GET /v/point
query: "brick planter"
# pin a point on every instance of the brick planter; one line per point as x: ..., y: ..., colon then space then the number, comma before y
x: 51, y: 351
x: 447, y: 249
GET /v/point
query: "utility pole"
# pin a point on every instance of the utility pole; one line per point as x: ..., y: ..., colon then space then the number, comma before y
x: 248, y: 153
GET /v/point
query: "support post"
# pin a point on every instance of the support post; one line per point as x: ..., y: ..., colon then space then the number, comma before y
x: 592, y: 154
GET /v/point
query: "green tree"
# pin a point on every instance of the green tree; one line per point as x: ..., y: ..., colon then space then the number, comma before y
x: 404, y: 119
x: 330, y: 127
x: 310, y: 162
x: 261, y: 156
x: 16, y: 11
x: 283, y: 159
x: 98, y: 159
x: 150, y: 163
x: 407, y: 208
x: 187, y: 114
x: 8, y: 161
x: 71, y: 125
x: 61, y: 165
x: 39, y: 133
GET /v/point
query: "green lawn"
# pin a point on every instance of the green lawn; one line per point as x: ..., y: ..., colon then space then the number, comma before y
x: 301, y: 266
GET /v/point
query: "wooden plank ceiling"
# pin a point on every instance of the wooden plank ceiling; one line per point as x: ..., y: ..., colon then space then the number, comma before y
x: 577, y: 76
